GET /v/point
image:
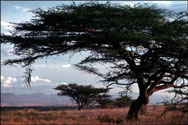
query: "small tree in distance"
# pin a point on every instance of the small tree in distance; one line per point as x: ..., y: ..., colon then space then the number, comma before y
x: 123, y: 101
x: 82, y: 95
x: 105, y: 102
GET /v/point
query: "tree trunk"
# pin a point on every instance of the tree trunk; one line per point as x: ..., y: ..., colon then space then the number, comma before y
x: 136, y: 106
x: 80, y: 107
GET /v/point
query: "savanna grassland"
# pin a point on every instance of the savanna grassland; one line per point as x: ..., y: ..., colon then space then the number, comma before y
x: 150, y: 116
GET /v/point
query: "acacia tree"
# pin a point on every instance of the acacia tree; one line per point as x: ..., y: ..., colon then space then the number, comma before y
x: 145, y: 45
x: 123, y: 101
x: 82, y: 95
x: 105, y: 101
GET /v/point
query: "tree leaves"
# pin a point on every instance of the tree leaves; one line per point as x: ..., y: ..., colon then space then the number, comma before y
x: 82, y: 95
x: 146, y: 38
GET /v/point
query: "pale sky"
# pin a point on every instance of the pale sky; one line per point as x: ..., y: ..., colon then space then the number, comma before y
x: 50, y: 72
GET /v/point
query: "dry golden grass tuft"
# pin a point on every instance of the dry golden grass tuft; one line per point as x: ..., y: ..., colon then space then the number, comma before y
x: 116, y: 116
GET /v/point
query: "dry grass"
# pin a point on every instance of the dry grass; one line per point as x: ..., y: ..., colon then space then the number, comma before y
x: 92, y: 116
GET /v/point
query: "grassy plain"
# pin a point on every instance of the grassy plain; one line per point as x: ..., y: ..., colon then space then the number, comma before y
x: 151, y: 116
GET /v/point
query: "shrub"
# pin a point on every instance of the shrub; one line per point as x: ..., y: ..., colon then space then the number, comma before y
x: 123, y: 101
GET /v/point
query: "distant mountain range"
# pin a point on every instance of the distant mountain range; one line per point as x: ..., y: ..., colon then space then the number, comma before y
x: 37, y: 99
x: 40, y: 99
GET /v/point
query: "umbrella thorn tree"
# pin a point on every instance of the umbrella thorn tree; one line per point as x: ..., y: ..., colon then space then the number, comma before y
x: 145, y: 45
x: 83, y: 95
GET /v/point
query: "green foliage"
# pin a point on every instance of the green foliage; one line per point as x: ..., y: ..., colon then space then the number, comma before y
x: 136, y: 40
x: 82, y: 95
x: 122, y: 101
x: 105, y: 102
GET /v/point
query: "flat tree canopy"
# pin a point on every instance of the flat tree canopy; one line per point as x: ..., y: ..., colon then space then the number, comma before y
x: 146, y: 45
x: 82, y: 95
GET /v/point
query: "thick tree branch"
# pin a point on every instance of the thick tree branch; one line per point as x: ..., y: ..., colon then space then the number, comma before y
x: 152, y: 87
x: 170, y: 84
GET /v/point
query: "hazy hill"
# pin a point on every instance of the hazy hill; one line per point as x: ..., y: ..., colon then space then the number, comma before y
x: 38, y: 99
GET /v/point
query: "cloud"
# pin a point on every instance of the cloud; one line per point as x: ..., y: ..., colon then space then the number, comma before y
x: 7, y: 82
x: 2, y: 61
x: 63, y: 83
x: 2, y: 77
x: 22, y: 8
x: 162, y: 2
x: 38, y: 79
x: 6, y: 50
x: 7, y: 25
x: 7, y: 33
x: 132, y: 3
x: 66, y: 65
